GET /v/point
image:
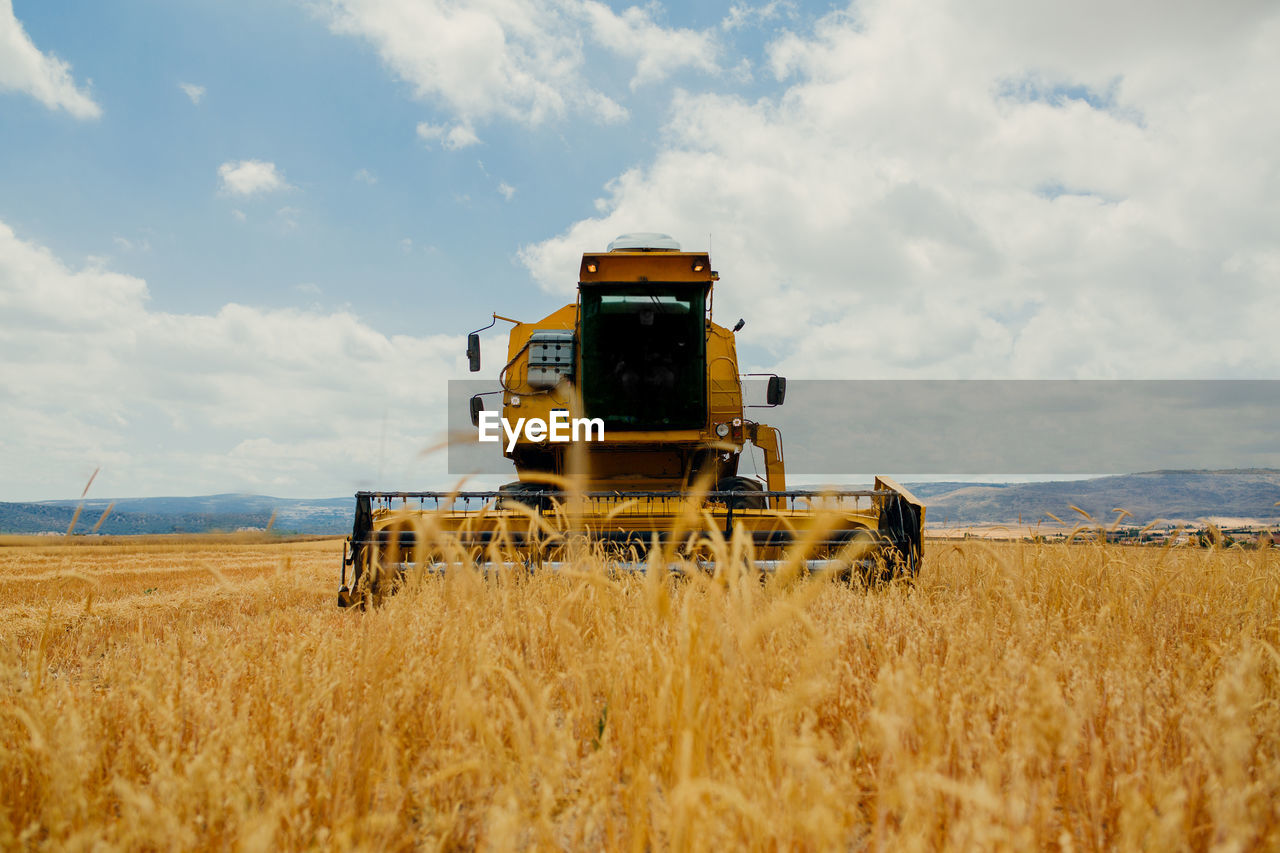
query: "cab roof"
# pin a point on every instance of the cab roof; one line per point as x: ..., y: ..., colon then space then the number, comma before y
x: 626, y: 266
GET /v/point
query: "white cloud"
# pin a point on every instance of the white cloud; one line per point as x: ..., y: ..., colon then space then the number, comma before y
x: 246, y: 398
x: 948, y: 190
x: 288, y: 216
x: 124, y: 244
x: 23, y: 68
x: 250, y: 177
x: 518, y: 60
x: 365, y: 176
x: 744, y: 15
x: 514, y: 59
x: 192, y: 91
x: 506, y: 190
x: 451, y: 138
x: 657, y: 51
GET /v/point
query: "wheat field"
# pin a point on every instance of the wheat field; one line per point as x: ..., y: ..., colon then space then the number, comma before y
x: 208, y: 694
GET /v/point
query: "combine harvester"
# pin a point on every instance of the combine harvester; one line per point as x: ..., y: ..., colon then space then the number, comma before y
x: 646, y: 388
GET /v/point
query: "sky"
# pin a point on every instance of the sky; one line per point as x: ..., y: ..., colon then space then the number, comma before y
x: 241, y: 244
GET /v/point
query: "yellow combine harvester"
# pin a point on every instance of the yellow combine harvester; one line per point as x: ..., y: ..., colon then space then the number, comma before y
x: 646, y: 390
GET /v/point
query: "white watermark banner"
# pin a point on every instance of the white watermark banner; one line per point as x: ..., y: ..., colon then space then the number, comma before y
x: 962, y: 427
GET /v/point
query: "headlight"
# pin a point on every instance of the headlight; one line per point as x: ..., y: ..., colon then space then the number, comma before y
x: 722, y: 430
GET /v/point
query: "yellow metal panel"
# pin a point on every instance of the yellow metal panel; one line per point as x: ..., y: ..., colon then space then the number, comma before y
x: 674, y: 267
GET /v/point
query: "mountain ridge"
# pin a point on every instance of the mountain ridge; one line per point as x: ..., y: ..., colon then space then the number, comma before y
x: 1174, y: 495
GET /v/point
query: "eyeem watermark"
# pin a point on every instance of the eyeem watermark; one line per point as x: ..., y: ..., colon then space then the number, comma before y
x: 561, y: 429
x: 933, y: 428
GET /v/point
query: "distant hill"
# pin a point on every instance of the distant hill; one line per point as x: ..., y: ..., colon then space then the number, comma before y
x: 925, y: 491
x: 182, y: 515
x: 1174, y: 495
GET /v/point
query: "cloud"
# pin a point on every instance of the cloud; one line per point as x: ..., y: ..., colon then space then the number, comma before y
x: 365, y: 176
x: 657, y: 51
x: 23, y: 68
x: 506, y: 190
x: 517, y: 60
x: 192, y: 91
x: 952, y: 191
x: 514, y: 59
x: 293, y: 402
x: 124, y: 244
x: 288, y: 217
x: 743, y: 15
x: 451, y: 138
x: 251, y: 177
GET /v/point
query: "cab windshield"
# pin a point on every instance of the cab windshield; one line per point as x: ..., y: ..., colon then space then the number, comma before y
x: 644, y: 356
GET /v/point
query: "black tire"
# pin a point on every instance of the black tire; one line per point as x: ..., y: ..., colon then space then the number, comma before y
x: 743, y: 484
x: 900, y: 527
x: 532, y: 495
x: 865, y: 561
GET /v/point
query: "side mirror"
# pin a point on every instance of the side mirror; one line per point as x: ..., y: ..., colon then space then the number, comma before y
x: 473, y: 353
x: 777, y: 391
x: 477, y: 406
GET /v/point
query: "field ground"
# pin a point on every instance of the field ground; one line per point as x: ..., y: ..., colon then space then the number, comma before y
x: 207, y: 693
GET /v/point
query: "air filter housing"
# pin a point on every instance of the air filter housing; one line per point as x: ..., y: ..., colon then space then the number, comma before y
x: 644, y: 241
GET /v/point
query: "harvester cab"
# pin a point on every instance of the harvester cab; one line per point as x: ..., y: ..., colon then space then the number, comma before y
x: 639, y: 357
x: 633, y: 394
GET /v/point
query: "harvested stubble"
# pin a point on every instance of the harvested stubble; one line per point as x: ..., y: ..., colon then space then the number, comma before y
x: 212, y: 696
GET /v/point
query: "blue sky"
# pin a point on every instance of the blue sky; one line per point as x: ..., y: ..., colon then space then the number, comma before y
x: 139, y: 185
x: 240, y: 243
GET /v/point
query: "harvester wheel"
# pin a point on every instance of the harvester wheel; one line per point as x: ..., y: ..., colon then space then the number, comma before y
x: 743, y: 484
x: 857, y: 553
x: 383, y: 581
x: 531, y: 495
